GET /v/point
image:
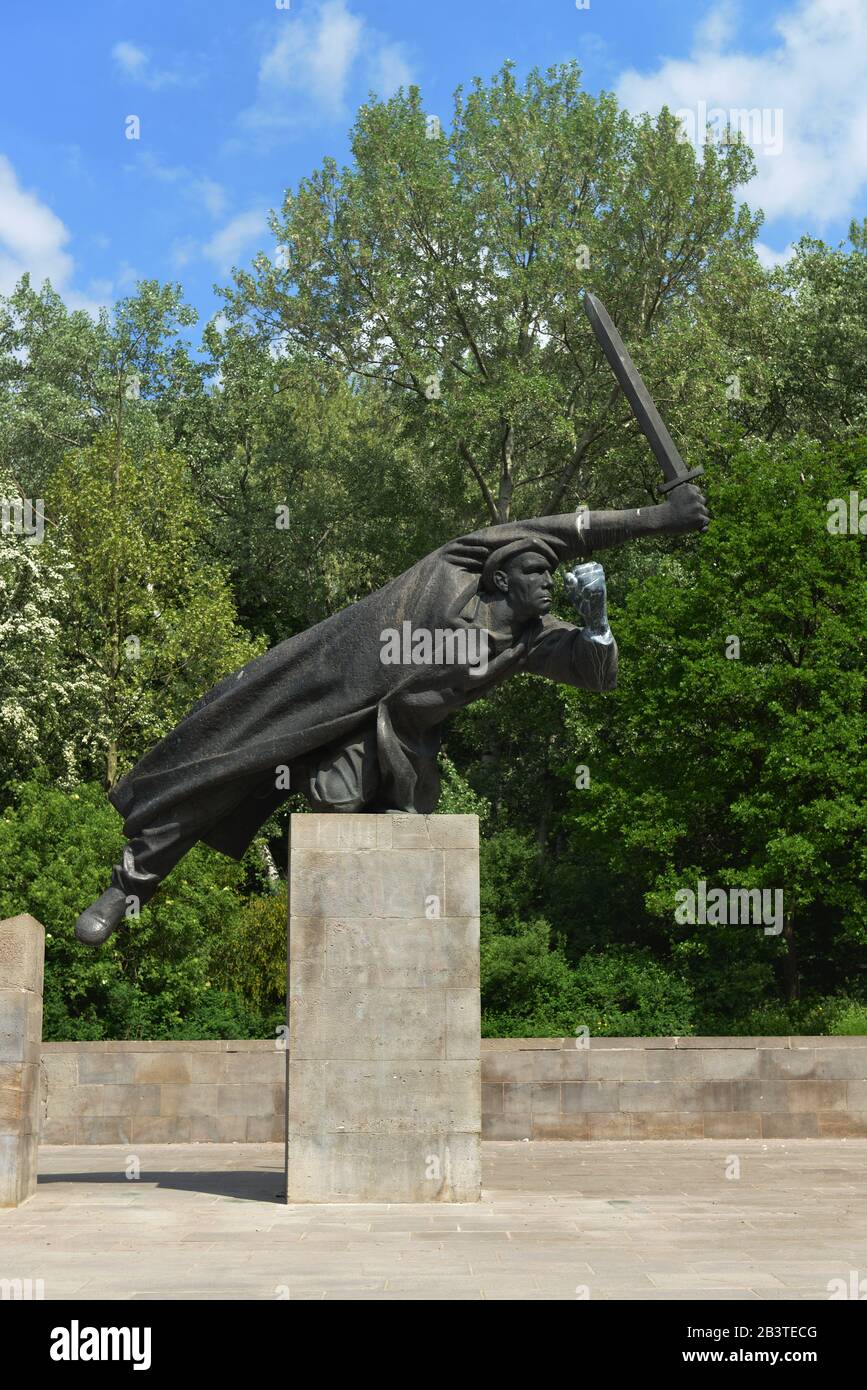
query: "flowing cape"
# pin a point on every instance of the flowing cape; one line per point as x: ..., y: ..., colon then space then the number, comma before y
x: 216, y: 770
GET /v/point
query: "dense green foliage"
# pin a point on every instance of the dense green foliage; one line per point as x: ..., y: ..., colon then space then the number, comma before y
x: 162, y: 978
x: 413, y: 364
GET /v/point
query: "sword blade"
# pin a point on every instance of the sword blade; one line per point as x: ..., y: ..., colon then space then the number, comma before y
x: 651, y: 422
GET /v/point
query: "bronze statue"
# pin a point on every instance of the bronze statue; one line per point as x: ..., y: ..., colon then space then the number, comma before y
x: 351, y: 711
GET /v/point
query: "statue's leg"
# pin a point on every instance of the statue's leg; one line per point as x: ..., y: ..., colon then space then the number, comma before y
x: 145, y: 862
x: 344, y: 777
x: 149, y: 858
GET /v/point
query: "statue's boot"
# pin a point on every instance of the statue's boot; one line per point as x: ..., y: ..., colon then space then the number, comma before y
x: 144, y: 864
x: 97, y: 922
x: 132, y: 882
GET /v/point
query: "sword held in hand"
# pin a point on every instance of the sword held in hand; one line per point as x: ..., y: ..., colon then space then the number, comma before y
x: 651, y: 422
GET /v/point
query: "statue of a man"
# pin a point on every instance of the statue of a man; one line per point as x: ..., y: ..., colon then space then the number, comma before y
x: 350, y: 712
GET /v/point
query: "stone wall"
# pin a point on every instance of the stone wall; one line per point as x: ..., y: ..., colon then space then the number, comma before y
x: 532, y: 1088
x: 675, y: 1088
x: 162, y: 1092
x: 22, y: 954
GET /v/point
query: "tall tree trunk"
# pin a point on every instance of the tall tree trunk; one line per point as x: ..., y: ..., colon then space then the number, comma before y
x: 791, y: 977
x: 544, y: 817
x: 269, y: 866
x: 507, y: 482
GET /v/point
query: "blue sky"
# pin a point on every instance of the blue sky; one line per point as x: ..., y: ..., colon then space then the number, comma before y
x: 238, y: 99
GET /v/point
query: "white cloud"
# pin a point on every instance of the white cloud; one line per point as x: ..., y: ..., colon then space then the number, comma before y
x: 33, y: 238
x: 127, y: 276
x: 200, y: 188
x: 770, y: 258
x: 182, y: 252
x: 812, y: 72
x: 225, y: 247
x: 101, y: 290
x: 307, y: 72
x: 315, y: 56
x: 130, y: 59
x: 388, y: 69
x: 718, y: 26
x: 211, y: 194
x: 591, y: 49
x: 76, y: 166
x: 135, y: 64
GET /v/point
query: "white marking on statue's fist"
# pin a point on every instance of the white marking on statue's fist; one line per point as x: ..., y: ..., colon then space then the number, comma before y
x: 583, y: 577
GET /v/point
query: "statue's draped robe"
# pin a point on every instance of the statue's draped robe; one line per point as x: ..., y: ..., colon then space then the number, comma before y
x: 221, y: 771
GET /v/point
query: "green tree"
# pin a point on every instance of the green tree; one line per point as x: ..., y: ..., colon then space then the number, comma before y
x: 734, y: 747
x: 66, y: 380
x: 48, y: 704
x: 802, y: 359
x: 150, y: 617
x: 450, y: 271
x: 311, y: 496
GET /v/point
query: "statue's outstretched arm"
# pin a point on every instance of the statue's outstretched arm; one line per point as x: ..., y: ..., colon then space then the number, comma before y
x: 685, y: 510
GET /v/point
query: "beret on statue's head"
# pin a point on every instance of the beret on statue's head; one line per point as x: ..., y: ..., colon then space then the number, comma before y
x: 498, y: 559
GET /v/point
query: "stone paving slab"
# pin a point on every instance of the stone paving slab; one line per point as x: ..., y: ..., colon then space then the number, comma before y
x: 558, y: 1221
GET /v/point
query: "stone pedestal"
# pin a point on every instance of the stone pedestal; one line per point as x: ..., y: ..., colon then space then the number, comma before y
x: 384, y: 1099
x: 22, y: 953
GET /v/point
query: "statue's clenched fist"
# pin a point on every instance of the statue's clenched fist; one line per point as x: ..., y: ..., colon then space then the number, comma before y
x: 685, y: 510
x: 585, y: 585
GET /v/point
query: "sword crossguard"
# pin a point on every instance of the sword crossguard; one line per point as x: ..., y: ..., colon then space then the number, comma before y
x: 684, y: 478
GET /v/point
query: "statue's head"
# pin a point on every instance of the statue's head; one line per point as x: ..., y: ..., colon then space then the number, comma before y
x: 523, y: 574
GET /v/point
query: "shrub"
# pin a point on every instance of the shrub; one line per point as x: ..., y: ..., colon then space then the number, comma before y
x: 529, y: 989
x: 253, y: 953
x: 157, y: 972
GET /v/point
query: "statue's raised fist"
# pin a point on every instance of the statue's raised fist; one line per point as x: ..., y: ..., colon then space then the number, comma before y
x: 685, y: 510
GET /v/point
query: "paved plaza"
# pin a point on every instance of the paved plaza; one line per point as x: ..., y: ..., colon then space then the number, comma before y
x: 558, y: 1220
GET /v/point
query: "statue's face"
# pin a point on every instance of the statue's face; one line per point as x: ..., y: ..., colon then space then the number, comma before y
x: 527, y: 581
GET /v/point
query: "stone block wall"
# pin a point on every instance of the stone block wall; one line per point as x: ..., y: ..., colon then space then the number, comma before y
x: 675, y: 1088
x: 22, y: 954
x: 532, y: 1088
x: 162, y: 1092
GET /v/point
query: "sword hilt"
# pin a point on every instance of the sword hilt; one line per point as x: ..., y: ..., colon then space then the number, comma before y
x: 684, y: 478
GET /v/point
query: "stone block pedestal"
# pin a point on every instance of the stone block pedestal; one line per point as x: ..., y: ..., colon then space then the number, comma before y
x: 22, y: 954
x: 384, y: 1101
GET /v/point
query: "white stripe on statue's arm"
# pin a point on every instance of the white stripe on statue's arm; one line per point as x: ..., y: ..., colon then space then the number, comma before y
x: 582, y: 525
